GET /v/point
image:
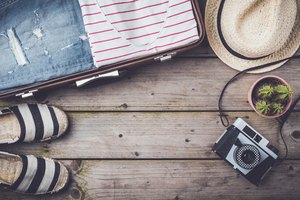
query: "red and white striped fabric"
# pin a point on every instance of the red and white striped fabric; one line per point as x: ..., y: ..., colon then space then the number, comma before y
x: 124, y: 29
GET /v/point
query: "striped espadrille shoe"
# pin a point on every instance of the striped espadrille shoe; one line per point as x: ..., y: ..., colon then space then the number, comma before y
x: 32, y: 175
x: 31, y: 122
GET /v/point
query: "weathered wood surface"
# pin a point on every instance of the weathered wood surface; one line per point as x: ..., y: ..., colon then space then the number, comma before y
x: 149, y: 135
x: 159, y: 135
x: 182, y: 84
x: 192, y: 81
x: 189, y: 179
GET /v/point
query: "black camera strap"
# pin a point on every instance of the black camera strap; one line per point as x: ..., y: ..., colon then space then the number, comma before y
x: 281, y: 120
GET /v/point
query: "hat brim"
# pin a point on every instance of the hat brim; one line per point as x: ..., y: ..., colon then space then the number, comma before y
x: 286, y: 51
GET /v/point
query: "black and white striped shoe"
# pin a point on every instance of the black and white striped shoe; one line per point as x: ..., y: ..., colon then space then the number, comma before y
x: 32, y: 175
x: 31, y: 122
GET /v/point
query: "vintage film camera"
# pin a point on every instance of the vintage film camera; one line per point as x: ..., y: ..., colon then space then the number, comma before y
x: 246, y: 150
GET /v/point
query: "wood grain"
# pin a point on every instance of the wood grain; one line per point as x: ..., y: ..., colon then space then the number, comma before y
x: 159, y: 135
x: 129, y: 180
x: 149, y: 135
x: 191, y: 82
x: 182, y: 84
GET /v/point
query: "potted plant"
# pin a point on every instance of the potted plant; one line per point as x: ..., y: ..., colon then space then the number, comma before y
x: 270, y: 96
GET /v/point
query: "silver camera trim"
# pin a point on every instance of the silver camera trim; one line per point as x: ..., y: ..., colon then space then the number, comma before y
x: 244, y: 138
x: 263, y: 143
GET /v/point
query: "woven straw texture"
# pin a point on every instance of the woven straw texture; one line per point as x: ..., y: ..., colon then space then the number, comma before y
x: 254, y: 28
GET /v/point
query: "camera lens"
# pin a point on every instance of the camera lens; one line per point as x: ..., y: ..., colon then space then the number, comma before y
x: 247, y: 156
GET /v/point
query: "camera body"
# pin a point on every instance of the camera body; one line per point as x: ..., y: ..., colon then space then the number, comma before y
x: 246, y: 150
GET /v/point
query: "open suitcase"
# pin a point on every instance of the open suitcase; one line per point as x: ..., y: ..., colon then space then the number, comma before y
x: 50, y: 43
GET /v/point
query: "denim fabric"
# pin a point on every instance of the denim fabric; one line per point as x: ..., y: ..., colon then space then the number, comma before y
x: 51, y: 35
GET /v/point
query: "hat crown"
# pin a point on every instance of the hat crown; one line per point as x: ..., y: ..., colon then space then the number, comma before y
x: 256, y: 28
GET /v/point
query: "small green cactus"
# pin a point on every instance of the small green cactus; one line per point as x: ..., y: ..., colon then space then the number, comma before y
x: 277, y: 108
x: 283, y: 92
x: 263, y: 107
x: 266, y: 91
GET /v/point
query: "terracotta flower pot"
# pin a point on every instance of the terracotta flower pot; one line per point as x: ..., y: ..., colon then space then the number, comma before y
x: 251, y: 98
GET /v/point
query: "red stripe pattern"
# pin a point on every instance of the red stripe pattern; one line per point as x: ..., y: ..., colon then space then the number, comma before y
x: 120, y: 30
x: 134, y: 10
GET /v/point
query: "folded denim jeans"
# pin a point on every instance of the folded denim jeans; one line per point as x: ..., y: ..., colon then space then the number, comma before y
x: 41, y: 40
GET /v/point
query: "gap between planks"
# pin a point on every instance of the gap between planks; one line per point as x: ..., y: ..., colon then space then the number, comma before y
x: 167, y: 86
x: 148, y: 135
x: 151, y: 180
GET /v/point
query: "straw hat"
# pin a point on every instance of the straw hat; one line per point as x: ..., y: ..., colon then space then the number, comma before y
x: 248, y: 33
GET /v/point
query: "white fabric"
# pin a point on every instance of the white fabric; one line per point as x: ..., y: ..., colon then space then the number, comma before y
x: 61, y: 125
x: 119, y: 30
x: 30, y: 173
x: 47, y: 120
x: 48, y: 177
x: 29, y: 122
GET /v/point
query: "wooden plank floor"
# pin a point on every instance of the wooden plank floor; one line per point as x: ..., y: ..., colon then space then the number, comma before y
x: 149, y: 135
